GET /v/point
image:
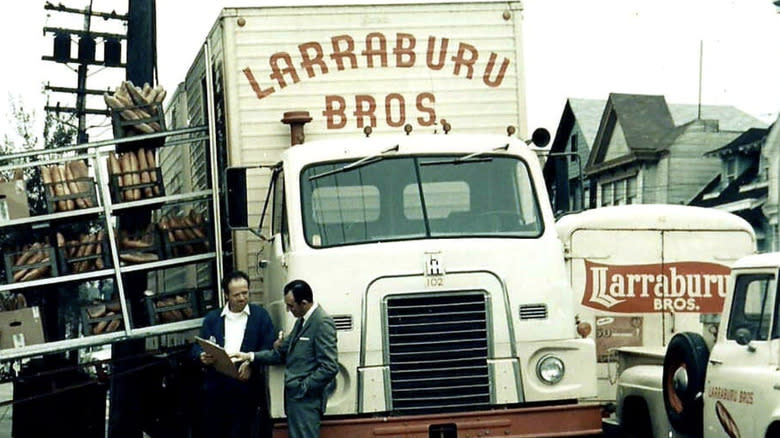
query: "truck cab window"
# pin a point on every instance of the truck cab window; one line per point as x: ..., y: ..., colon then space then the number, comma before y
x: 402, y: 197
x: 279, y: 221
x: 754, y: 296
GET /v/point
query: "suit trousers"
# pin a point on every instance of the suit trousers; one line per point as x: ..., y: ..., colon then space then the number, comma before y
x: 303, y: 417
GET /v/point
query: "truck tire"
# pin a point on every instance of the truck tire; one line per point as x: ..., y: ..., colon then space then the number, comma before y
x: 685, y: 361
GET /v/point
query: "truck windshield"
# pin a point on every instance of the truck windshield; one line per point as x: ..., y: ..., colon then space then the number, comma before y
x: 414, y: 197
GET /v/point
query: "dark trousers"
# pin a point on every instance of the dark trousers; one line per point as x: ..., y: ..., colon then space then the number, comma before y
x: 230, y: 410
x: 303, y: 417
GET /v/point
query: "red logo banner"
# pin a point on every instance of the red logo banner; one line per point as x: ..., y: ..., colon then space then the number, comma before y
x: 672, y: 287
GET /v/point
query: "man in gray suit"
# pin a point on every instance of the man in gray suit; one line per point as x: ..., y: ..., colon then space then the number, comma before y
x: 309, y: 354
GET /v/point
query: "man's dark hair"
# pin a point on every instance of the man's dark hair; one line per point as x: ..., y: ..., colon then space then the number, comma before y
x: 235, y: 275
x: 300, y: 290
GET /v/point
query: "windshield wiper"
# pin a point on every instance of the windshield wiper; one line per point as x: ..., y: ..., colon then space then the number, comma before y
x: 470, y: 158
x: 356, y: 164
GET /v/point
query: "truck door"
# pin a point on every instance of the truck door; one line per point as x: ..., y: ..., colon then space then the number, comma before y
x: 698, y: 263
x: 275, y: 270
x: 740, y: 367
x: 610, y: 273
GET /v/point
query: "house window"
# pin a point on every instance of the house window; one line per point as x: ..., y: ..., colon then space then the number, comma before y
x: 731, y: 169
x: 574, y: 195
x: 606, y: 194
x: 574, y: 145
x: 620, y: 191
x: 631, y: 190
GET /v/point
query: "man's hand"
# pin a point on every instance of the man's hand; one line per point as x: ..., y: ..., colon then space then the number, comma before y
x: 244, y: 371
x: 278, y: 340
x: 241, y: 357
x: 206, y: 359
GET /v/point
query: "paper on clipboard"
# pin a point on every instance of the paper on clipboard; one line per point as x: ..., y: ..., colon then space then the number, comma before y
x: 222, y: 363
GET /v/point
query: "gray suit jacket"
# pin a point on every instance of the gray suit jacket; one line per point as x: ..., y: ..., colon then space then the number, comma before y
x: 310, y: 358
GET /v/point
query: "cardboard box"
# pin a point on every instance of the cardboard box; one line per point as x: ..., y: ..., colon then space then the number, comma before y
x: 13, y: 200
x: 21, y: 327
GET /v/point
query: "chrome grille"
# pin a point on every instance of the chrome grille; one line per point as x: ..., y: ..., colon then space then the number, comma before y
x: 438, y: 350
x: 533, y: 311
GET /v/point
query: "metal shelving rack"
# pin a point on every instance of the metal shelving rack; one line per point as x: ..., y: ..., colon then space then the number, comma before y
x: 96, y: 154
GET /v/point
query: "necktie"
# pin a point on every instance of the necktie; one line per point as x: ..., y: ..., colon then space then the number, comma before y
x: 297, y: 329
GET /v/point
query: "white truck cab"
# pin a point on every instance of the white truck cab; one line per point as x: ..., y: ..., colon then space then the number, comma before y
x: 731, y: 390
x: 438, y: 257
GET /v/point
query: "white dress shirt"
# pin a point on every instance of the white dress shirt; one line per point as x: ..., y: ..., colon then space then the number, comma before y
x: 235, y: 324
x: 308, y: 313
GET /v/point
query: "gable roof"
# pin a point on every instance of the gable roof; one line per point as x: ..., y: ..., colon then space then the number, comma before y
x: 644, y: 120
x: 729, y: 117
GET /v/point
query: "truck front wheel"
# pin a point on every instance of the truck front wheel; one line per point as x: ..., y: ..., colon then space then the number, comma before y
x: 685, y: 365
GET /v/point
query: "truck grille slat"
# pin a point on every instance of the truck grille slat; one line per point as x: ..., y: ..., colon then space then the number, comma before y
x: 438, y: 349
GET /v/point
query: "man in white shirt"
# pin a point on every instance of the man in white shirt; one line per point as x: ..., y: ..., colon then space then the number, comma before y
x: 310, y: 355
x: 230, y: 405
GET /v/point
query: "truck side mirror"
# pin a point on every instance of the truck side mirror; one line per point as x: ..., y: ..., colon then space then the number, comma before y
x: 235, y: 187
x: 237, y: 203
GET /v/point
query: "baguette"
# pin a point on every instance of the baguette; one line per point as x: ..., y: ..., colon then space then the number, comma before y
x: 113, y: 306
x: 69, y: 204
x: 21, y: 301
x: 59, y: 190
x: 143, y: 166
x: 136, y: 175
x: 139, y: 257
x: 113, y: 325
x: 46, y: 177
x: 81, y: 172
x: 37, y: 272
x: 127, y: 243
x: 194, y: 228
x: 127, y: 178
x: 187, y: 311
x: 101, y: 326
x: 99, y: 250
x: 27, y: 254
x: 160, y: 97
x: 135, y: 93
x: 96, y: 311
x: 70, y: 180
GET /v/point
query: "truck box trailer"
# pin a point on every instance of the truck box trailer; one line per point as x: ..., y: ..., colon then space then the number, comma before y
x: 641, y: 273
x: 440, y: 234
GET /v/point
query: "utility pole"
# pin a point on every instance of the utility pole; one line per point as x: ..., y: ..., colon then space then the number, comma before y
x: 112, y: 50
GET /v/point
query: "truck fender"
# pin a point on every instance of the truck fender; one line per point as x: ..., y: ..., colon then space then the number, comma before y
x: 685, y: 366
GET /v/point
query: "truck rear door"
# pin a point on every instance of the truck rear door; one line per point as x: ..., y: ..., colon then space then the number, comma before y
x: 698, y: 264
x: 606, y: 273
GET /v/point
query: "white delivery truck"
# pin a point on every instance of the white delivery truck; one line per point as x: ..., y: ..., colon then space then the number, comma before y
x: 728, y: 390
x: 642, y: 273
x: 436, y: 251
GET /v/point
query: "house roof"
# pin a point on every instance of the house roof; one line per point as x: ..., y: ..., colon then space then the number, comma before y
x: 744, y: 187
x: 729, y: 117
x: 588, y: 114
x: 749, y: 141
x: 645, y: 119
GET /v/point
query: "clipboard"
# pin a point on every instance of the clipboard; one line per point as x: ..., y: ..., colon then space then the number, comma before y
x: 222, y: 363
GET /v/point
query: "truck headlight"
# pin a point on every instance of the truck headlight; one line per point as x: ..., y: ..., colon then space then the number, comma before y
x: 550, y: 370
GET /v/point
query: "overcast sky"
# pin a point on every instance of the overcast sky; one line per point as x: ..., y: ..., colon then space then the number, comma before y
x: 573, y: 48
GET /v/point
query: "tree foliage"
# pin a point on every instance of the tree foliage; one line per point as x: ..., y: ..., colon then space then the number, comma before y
x: 24, y: 137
